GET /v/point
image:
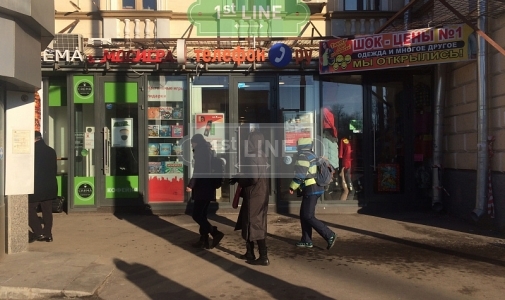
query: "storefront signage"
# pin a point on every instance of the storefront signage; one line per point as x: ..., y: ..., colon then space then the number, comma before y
x: 83, y: 88
x: 114, y: 56
x: 303, y: 56
x: 236, y: 55
x: 117, y: 187
x: 279, y: 18
x: 280, y: 55
x: 84, y: 191
x: 397, y: 49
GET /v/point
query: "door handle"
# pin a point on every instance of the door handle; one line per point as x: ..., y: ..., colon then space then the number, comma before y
x: 106, y: 151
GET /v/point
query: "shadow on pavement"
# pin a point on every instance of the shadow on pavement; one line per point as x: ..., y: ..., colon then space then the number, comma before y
x: 154, y: 285
x: 277, y: 288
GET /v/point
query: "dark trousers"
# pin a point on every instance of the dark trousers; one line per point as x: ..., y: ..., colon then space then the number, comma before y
x: 200, y: 210
x: 47, y: 218
x: 308, y: 220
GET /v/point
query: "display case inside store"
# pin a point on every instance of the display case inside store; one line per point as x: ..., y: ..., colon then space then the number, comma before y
x: 165, y: 129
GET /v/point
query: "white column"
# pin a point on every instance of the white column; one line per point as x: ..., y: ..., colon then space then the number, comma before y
x: 126, y: 28
x: 147, y: 28
x: 136, y: 29
x: 362, y: 29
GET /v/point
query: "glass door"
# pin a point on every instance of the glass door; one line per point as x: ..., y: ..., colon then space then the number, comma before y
x: 254, y: 110
x: 107, y: 139
x: 122, y: 139
x: 390, y: 137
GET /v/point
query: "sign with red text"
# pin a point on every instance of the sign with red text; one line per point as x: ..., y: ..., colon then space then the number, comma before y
x: 398, y: 49
x: 237, y: 55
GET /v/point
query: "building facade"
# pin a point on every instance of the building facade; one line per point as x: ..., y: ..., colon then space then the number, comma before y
x: 139, y: 77
x: 27, y: 28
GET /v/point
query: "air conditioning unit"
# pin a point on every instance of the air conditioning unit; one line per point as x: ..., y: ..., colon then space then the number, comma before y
x: 99, y: 41
x: 67, y: 41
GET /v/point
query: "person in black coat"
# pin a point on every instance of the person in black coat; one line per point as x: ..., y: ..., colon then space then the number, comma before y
x: 252, y: 219
x: 45, y: 190
x: 203, y: 192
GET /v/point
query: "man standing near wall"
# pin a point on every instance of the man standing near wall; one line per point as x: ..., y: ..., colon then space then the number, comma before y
x: 45, y: 190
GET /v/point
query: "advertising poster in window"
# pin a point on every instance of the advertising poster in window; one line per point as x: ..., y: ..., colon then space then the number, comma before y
x: 297, y: 125
x: 160, y: 88
x: 211, y: 126
x: 122, y: 132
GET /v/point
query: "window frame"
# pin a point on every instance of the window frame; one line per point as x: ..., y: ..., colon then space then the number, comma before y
x: 138, y: 5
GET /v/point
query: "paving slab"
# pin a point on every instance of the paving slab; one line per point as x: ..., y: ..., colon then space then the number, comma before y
x: 33, y: 275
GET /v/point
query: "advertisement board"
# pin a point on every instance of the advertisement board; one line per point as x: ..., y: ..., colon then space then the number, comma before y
x: 211, y: 126
x: 297, y: 125
x: 398, y: 49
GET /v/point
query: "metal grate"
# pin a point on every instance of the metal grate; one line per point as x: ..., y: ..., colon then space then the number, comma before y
x: 67, y: 41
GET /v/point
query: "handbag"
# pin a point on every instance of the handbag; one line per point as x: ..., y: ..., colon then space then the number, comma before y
x: 58, y: 204
x: 234, y: 204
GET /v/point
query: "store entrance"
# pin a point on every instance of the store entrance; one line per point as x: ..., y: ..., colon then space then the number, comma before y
x: 255, y: 110
x: 399, y: 136
x: 107, y: 165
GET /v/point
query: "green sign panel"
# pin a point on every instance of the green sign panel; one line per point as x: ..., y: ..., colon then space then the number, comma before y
x: 83, y: 89
x: 121, y: 187
x: 247, y: 18
x: 84, y: 191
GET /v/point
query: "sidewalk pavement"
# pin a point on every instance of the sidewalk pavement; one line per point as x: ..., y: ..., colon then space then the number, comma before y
x: 402, y: 256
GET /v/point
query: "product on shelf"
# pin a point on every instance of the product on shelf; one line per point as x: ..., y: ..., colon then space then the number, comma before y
x: 153, y: 113
x: 165, y: 131
x: 166, y: 112
x: 155, y: 167
x: 165, y: 148
x: 154, y: 149
x: 177, y: 130
x: 172, y: 167
x: 153, y: 130
x: 177, y: 113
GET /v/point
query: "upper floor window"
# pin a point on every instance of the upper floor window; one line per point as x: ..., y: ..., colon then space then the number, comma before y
x: 362, y: 4
x: 139, y: 4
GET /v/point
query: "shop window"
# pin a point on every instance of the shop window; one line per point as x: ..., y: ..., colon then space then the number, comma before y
x: 208, y: 116
x: 139, y: 4
x: 342, y: 135
x: 166, y: 128
x: 298, y: 96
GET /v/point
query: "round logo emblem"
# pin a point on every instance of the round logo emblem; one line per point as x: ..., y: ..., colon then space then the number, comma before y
x: 84, y: 89
x: 85, y: 190
x: 280, y: 55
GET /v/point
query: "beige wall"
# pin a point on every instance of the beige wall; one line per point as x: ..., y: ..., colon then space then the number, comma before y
x: 178, y: 24
x: 460, y: 123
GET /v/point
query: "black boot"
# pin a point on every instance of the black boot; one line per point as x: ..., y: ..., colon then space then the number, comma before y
x: 217, y: 236
x: 263, y: 259
x: 203, y: 242
x: 249, y: 255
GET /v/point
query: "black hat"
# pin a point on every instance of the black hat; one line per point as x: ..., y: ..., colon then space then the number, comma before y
x: 38, y: 134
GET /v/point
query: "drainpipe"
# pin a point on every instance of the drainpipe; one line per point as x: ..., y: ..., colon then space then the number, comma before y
x: 482, y: 130
x: 436, y: 202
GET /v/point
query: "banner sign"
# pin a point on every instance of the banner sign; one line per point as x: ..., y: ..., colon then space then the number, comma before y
x: 425, y: 46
